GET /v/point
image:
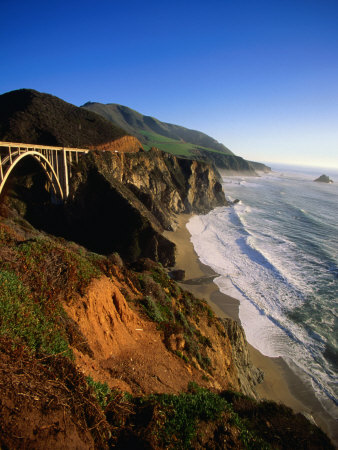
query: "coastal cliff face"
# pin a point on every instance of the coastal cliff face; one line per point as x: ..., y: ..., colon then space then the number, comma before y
x: 248, y: 375
x: 231, y: 163
x: 165, y: 184
x: 122, y: 202
x: 87, y: 320
x: 80, y: 329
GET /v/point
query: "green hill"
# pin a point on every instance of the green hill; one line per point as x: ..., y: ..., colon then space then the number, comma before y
x: 38, y: 118
x: 174, y: 139
x: 150, y: 131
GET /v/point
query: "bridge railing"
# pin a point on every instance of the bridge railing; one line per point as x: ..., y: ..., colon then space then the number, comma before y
x: 56, y: 162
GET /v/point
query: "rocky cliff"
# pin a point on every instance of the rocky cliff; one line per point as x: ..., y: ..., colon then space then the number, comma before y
x: 121, y: 202
x: 94, y: 354
x: 118, y: 201
x: 232, y: 164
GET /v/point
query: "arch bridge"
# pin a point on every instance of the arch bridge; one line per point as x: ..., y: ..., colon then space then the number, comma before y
x: 55, y: 161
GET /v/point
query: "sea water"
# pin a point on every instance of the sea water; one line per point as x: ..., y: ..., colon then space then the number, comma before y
x: 276, y: 250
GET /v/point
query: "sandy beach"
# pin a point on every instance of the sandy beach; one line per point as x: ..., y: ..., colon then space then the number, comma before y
x: 280, y: 383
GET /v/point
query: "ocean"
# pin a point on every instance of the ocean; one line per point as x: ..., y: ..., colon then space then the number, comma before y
x: 276, y: 250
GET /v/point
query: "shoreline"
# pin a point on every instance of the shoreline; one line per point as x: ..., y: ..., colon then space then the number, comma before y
x: 280, y: 383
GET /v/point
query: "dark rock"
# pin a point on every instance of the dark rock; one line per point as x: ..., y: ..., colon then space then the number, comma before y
x: 323, y: 179
x: 120, y: 202
x: 177, y: 275
x: 35, y: 118
x: 231, y: 164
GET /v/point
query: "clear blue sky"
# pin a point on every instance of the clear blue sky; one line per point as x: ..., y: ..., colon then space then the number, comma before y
x: 259, y: 76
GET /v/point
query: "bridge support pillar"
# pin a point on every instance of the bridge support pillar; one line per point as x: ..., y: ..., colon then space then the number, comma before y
x: 66, y: 181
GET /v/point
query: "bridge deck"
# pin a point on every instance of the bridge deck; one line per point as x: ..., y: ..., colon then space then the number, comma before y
x: 41, y: 147
x: 56, y: 161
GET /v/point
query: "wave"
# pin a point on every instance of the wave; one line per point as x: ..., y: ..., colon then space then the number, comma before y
x: 268, y: 291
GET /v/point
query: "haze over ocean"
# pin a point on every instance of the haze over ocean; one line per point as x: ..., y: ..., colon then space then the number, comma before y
x: 277, y: 252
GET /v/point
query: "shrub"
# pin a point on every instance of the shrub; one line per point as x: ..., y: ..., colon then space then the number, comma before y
x: 182, y: 413
x: 151, y: 309
x: 23, y: 318
x: 101, y: 390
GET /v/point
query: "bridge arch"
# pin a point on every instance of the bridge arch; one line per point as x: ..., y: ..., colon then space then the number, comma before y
x: 46, y: 166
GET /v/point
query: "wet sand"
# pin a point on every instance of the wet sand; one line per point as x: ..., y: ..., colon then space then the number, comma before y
x: 280, y: 383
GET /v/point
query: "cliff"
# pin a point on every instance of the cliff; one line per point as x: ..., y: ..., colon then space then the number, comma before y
x: 119, y: 201
x: 99, y: 351
x: 260, y: 167
x: 125, y: 144
x: 231, y: 164
x: 94, y: 354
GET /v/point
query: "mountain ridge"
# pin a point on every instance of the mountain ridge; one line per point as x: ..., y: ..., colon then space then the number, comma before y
x: 30, y: 116
x: 132, y: 121
x: 175, y: 139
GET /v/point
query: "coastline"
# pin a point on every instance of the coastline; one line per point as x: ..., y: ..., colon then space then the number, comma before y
x: 280, y: 383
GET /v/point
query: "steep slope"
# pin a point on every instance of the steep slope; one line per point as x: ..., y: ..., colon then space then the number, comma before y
x: 135, y: 122
x: 174, y: 139
x: 118, y: 201
x: 133, y: 331
x: 36, y: 118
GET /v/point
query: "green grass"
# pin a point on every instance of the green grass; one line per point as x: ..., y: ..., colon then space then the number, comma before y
x: 175, y: 318
x: 169, y: 145
x: 102, y: 392
x: 182, y: 412
x: 21, y: 318
x: 36, y: 276
x: 178, y: 417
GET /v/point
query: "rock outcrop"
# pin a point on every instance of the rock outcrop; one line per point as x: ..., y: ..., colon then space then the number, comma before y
x: 121, y: 202
x: 165, y: 184
x: 118, y: 201
x: 248, y: 375
x: 232, y: 164
x: 323, y: 179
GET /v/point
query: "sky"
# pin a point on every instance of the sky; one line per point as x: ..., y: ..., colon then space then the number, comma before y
x: 259, y: 76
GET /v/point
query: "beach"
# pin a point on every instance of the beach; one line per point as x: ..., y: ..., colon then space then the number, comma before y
x: 280, y: 383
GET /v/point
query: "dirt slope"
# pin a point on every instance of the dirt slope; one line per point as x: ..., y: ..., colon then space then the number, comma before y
x: 129, y: 352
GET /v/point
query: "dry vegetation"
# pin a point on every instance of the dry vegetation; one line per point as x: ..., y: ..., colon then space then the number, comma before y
x: 48, y: 401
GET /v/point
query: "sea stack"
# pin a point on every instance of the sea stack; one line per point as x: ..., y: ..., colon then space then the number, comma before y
x: 323, y: 179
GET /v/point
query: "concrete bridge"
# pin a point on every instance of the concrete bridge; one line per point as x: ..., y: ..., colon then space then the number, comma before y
x: 55, y: 161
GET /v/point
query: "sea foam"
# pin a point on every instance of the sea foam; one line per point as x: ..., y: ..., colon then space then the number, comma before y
x: 270, y: 253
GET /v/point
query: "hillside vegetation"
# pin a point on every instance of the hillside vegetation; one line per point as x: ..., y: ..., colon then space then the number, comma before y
x: 148, y: 128
x: 135, y: 367
x: 36, y: 118
x: 174, y: 139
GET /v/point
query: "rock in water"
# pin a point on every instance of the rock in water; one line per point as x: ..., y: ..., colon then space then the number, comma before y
x: 324, y: 179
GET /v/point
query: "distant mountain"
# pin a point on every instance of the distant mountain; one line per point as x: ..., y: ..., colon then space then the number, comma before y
x: 150, y: 130
x: 36, y: 118
x: 174, y: 139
